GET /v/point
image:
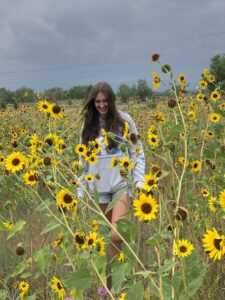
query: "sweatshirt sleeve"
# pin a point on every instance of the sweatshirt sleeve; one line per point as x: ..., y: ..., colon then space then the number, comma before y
x: 137, y: 158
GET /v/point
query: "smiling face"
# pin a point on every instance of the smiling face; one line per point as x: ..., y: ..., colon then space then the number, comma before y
x: 101, y: 104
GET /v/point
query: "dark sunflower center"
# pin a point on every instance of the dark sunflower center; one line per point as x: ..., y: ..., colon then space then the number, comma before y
x: 195, y: 165
x: 181, y: 78
x: 45, y: 106
x: 153, y: 140
x: 217, y: 243
x: 90, y: 242
x: 126, y: 164
x: 67, y: 198
x: 214, y: 95
x: 183, y: 249
x: 151, y: 182
x: 31, y: 178
x: 56, y: 109
x: 15, y: 161
x: 47, y: 161
x: 79, y: 239
x: 81, y: 149
x: 146, y: 208
x: 59, y: 286
x: 92, y: 158
x: 49, y: 142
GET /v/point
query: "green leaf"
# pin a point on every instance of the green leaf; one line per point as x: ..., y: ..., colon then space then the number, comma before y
x: 80, y: 279
x: 168, y: 265
x: 145, y: 274
x: 154, y: 240
x: 135, y: 292
x: 50, y: 226
x: 3, y: 294
x: 118, y: 275
x: 96, y: 196
x: 127, y: 229
x: 42, y: 258
x: 17, y: 227
x: 43, y: 205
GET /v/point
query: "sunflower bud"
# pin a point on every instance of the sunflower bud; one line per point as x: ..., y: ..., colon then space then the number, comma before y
x: 181, y: 214
x: 172, y: 103
x: 20, y: 249
x: 133, y: 137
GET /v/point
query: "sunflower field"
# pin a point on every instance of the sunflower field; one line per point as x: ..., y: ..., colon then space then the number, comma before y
x: 54, y: 243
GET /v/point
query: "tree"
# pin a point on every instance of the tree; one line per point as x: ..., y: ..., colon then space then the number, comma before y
x: 143, y: 91
x: 54, y: 94
x: 24, y: 94
x: 5, y: 97
x: 124, y: 92
x: 217, y: 68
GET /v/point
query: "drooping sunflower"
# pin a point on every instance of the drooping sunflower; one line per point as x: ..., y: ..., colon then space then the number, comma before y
x: 100, y: 246
x: 58, y: 240
x: 126, y: 130
x: 222, y: 199
x: 55, y: 111
x: 44, y: 106
x: 95, y: 146
x: 215, y: 95
x: 222, y: 105
x: 145, y: 207
x: 151, y: 181
x: 156, y: 80
x: 214, y: 244
x: 58, y: 287
x: 212, y: 204
x: 105, y: 137
x: 126, y: 163
x: 81, y: 149
x: 113, y: 162
x: 8, y: 225
x: 183, y: 248
x: 15, y: 161
x: 214, y: 117
x: 30, y: 178
x: 65, y: 199
x: 196, y: 166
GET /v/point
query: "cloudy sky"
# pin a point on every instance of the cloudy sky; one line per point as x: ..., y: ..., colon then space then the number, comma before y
x: 49, y: 43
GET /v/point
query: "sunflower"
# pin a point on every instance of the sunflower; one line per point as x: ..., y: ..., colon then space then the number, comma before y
x: 92, y: 159
x: 181, y: 160
x: 145, y: 207
x: 121, y: 257
x: 94, y: 225
x: 89, y: 177
x: 153, y: 140
x: 215, y: 95
x: 212, y: 204
x: 203, y: 84
x: 214, y: 117
x: 196, y: 166
x: 55, y: 111
x: 8, y: 225
x: 95, y: 146
x: 15, y: 161
x: 192, y: 115
x: 214, y: 244
x: 151, y: 181
x: 58, y: 288
x: 79, y: 239
x: 181, y: 78
x: 222, y: 105
x: 60, y: 146
x: 205, y: 193
x: 122, y: 296
x: 30, y: 178
x: 222, y: 199
x: 113, y: 162
x: 183, y: 248
x: 90, y: 240
x: 126, y: 163
x: 156, y: 80
x: 210, y: 134
x: 100, y: 246
x: 126, y: 130
x: 24, y: 287
x: 200, y: 97
x: 105, y: 137
x: 51, y: 139
x: 65, y: 199
x: 206, y: 72
x: 44, y: 106
x: 58, y: 240
x: 81, y: 149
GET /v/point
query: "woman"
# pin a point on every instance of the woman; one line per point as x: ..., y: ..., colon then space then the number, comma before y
x: 100, y: 117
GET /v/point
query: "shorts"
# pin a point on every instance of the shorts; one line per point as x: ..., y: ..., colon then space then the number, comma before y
x: 109, y: 197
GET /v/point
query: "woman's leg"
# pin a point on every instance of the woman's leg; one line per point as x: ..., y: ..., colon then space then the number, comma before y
x: 119, y: 211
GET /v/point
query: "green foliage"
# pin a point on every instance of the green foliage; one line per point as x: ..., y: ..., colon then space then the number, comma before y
x: 80, y: 279
x: 143, y: 91
x: 217, y: 68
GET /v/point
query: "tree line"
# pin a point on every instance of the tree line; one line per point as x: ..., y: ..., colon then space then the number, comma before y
x: 140, y: 90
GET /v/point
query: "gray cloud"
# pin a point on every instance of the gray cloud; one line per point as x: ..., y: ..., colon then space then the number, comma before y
x: 49, y: 43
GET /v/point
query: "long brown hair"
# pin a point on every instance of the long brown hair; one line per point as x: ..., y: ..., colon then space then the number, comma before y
x: 91, y: 126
